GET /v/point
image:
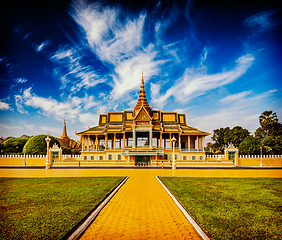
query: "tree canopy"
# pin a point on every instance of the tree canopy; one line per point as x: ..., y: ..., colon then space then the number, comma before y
x: 38, y: 146
x: 268, y: 136
x: 267, y: 120
x: 224, y: 136
x: 13, y: 145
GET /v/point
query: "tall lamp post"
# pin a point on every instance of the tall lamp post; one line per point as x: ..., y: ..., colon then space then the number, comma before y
x: 24, y: 156
x: 173, y: 152
x: 47, y: 160
x: 261, y: 156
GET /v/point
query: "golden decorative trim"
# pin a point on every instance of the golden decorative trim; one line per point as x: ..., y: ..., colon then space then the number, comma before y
x: 115, y: 117
x: 169, y: 117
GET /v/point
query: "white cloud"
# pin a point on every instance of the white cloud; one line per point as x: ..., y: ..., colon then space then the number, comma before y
x: 261, y: 22
x: 243, y: 111
x: 118, y: 43
x: 20, y: 80
x: 89, y: 119
x: 235, y: 97
x: 51, y: 130
x: 4, y: 106
x: 196, y: 82
x: 9, y: 127
x: 43, y: 45
x: 30, y: 127
x: 72, y: 73
x: 70, y: 109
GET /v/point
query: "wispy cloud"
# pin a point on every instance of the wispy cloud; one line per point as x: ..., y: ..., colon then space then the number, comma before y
x: 235, y: 97
x: 241, y: 109
x: 73, y: 108
x: 118, y: 44
x: 20, y: 80
x: 9, y: 127
x: 196, y: 82
x: 41, y: 46
x: 263, y: 21
x: 72, y: 72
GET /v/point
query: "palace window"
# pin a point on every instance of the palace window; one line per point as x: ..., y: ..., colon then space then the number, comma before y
x: 184, y: 157
x: 101, y: 158
x: 92, y: 157
x: 119, y: 157
x: 110, y: 157
x: 201, y: 157
x: 193, y: 158
x: 165, y: 157
x: 85, y: 157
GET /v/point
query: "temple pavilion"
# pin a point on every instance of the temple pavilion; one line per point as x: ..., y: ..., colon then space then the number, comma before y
x: 142, y: 135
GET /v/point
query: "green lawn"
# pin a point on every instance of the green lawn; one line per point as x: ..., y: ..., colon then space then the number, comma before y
x: 48, y: 208
x: 232, y: 208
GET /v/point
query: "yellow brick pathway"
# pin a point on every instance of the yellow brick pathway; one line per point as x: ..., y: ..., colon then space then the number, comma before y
x: 141, y: 209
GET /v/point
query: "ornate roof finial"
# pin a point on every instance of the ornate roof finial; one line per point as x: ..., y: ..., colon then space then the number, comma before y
x: 142, y: 100
x: 64, y: 135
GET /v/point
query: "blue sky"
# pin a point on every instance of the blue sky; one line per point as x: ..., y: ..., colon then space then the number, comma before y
x: 73, y: 59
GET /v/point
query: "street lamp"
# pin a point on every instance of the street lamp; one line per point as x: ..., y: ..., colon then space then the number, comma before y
x: 261, y: 156
x: 173, y: 154
x: 47, y: 160
x: 24, y: 156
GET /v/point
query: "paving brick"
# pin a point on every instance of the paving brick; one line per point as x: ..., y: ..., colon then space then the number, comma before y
x: 141, y: 209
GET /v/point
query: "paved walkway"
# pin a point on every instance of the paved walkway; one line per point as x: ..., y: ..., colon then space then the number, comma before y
x: 141, y: 209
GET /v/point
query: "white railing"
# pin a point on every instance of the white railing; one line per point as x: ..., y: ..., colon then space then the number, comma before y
x: 23, y: 156
x: 71, y: 156
x: 259, y: 156
x: 216, y: 156
x: 37, y: 156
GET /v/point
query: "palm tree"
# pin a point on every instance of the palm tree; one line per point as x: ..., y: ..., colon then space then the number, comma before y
x: 267, y: 120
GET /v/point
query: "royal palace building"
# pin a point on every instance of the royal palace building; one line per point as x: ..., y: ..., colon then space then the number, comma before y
x: 142, y: 135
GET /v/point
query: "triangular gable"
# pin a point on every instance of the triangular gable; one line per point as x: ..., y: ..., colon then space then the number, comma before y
x: 142, y: 115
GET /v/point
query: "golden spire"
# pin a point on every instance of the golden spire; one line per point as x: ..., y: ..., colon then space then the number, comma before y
x: 142, y: 100
x: 64, y: 135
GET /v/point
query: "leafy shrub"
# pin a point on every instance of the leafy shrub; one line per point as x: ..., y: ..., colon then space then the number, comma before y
x: 75, y: 152
x: 38, y: 146
x: 14, y: 145
x: 66, y: 150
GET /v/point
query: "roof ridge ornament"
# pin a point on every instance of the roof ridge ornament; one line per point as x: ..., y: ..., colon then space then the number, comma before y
x: 142, y: 100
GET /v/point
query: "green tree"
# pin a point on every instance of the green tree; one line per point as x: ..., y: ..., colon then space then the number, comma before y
x: 219, y: 136
x: 272, y: 145
x: 38, y: 146
x: 250, y: 145
x: 267, y: 119
x: 224, y: 136
x: 236, y: 135
x: 75, y: 152
x: 66, y: 150
x: 14, y: 145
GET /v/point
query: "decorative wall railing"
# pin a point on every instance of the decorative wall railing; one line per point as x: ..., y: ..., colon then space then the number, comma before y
x: 37, y: 156
x: 260, y: 156
x: 144, y: 147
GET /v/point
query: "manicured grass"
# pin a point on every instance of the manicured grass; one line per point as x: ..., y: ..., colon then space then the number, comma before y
x: 48, y: 208
x: 241, y: 208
